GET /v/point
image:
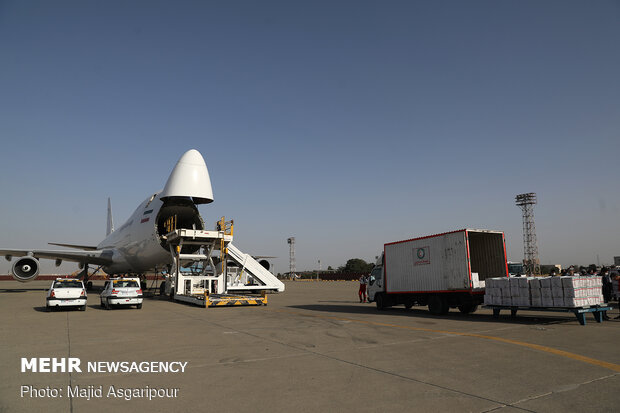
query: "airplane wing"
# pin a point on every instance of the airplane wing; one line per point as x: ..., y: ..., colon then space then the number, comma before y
x: 79, y: 247
x: 91, y: 257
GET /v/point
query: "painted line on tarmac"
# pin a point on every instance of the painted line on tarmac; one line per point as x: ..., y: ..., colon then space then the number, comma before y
x: 551, y: 350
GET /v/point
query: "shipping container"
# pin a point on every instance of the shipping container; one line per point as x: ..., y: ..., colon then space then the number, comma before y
x: 442, y: 271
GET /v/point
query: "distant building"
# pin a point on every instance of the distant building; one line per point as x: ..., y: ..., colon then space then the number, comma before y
x: 616, y: 261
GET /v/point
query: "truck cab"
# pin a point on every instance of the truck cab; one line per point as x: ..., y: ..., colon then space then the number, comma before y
x: 515, y: 269
x: 375, y: 282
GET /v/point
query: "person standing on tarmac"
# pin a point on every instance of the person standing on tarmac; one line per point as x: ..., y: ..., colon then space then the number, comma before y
x: 362, y: 291
x: 607, y: 289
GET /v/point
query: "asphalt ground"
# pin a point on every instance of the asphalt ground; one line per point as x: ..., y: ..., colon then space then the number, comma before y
x: 312, y: 348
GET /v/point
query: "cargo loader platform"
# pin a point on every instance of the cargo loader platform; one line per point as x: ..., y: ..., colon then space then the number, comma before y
x: 235, y: 279
x: 224, y: 300
x: 221, y: 300
x: 580, y: 312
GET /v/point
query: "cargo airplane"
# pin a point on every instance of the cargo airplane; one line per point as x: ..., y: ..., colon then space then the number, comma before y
x: 139, y: 245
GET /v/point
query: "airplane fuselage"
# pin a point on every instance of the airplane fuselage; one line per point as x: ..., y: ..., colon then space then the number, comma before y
x: 137, y: 246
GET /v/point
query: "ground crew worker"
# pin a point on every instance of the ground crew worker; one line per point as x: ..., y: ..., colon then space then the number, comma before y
x: 607, y: 290
x: 362, y: 292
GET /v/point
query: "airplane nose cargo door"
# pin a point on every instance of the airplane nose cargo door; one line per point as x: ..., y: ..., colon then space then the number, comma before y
x: 178, y: 213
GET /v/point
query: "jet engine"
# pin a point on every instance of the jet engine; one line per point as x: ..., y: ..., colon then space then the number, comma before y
x: 265, y: 264
x: 25, y: 269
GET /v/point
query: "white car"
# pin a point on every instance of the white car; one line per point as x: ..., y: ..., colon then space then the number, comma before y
x: 121, y: 291
x: 66, y: 292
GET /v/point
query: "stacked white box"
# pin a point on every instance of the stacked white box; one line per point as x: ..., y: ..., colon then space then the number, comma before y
x: 523, y: 282
x: 576, y: 301
x: 506, y: 292
x: 475, y: 281
x: 545, y: 292
x: 524, y: 301
x: 537, y: 301
x: 535, y: 293
x: 573, y: 291
x: 574, y: 287
x: 547, y: 301
x: 487, y: 298
x: 493, y: 291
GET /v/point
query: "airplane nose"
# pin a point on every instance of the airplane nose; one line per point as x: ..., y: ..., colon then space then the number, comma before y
x: 190, y: 178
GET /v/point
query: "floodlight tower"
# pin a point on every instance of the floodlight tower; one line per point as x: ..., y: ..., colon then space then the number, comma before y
x: 531, y: 263
x: 291, y: 266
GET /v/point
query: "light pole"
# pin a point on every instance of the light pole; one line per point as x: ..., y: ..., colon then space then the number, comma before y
x: 291, y: 262
x: 530, y: 247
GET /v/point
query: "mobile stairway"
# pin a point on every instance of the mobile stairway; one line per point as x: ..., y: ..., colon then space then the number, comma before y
x: 251, y: 275
x: 195, y: 278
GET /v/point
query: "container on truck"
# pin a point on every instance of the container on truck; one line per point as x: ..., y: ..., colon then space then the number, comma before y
x: 440, y: 271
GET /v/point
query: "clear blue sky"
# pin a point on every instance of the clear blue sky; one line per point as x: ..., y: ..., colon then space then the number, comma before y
x: 346, y: 124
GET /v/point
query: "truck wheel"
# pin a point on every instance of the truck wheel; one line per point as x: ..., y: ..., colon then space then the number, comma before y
x: 438, y: 305
x: 468, y: 308
x: 380, y: 301
x: 408, y: 305
x: 139, y: 306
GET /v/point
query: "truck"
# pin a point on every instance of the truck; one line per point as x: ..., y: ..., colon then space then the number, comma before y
x: 515, y: 269
x: 440, y: 271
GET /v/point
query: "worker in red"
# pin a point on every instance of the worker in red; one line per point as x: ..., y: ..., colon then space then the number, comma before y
x: 362, y: 292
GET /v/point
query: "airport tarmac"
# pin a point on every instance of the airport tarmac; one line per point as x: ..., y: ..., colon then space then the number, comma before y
x: 312, y: 348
